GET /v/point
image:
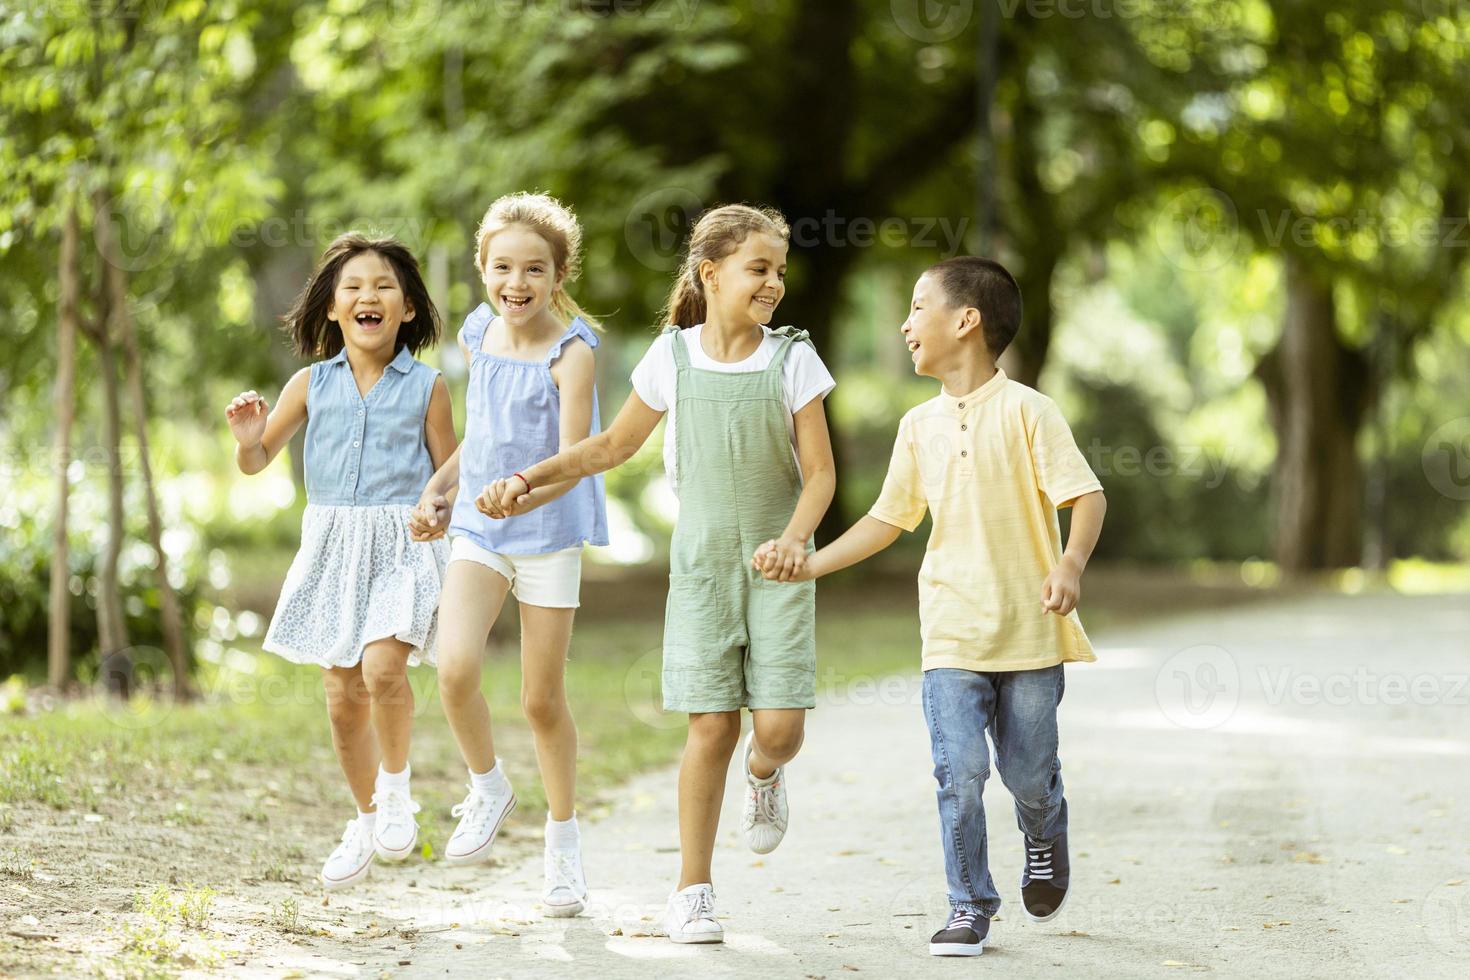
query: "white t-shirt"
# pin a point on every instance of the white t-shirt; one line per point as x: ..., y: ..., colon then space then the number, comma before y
x: 803, y: 377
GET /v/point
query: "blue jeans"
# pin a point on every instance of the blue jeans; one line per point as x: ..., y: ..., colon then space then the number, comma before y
x: 1019, y: 708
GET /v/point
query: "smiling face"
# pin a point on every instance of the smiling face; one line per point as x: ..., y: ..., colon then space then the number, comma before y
x: 368, y: 303
x: 520, y: 274
x: 936, y: 330
x: 747, y: 285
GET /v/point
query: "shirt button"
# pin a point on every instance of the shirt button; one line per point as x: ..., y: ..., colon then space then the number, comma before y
x: 359, y: 413
x: 356, y: 444
x: 964, y: 452
x: 964, y: 428
x: 962, y: 404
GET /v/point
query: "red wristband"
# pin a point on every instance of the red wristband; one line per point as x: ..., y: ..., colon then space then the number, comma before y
x: 523, y: 480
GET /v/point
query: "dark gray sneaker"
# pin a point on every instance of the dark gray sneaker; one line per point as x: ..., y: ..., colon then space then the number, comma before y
x: 964, y: 936
x: 1045, y: 877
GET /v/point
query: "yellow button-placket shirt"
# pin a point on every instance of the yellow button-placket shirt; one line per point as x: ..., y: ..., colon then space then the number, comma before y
x: 992, y: 466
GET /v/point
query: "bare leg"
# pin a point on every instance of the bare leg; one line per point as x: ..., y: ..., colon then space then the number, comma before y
x: 545, y: 636
x: 711, y: 743
x: 350, y: 713
x: 469, y: 605
x: 385, y: 674
x: 778, y: 736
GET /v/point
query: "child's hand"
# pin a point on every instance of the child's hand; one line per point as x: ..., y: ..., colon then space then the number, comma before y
x: 430, y: 518
x: 246, y: 414
x: 514, y: 495
x: 784, y: 560
x: 1062, y: 588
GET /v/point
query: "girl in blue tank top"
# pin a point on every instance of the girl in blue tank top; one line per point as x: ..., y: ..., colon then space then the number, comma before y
x: 360, y: 597
x: 531, y: 393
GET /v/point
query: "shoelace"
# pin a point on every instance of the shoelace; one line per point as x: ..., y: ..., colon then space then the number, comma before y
x: 394, y: 804
x: 477, y: 805
x: 561, y: 868
x: 352, y: 832
x: 766, y: 810
x: 1038, y: 860
x: 700, y: 905
x: 962, y: 919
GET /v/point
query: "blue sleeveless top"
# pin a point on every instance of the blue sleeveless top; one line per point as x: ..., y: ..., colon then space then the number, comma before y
x: 513, y: 421
x: 367, y: 450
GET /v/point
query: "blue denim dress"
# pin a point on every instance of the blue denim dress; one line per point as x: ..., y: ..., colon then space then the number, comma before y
x: 513, y: 421
x: 359, y: 576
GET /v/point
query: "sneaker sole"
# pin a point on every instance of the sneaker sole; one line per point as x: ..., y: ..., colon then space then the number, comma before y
x: 332, y: 884
x: 1054, y: 912
x: 483, y: 851
x: 765, y: 850
x: 697, y: 939
x: 393, y: 857
x: 563, y: 911
x: 957, y: 949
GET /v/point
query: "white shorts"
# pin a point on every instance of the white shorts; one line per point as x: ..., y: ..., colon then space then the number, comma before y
x: 552, y: 580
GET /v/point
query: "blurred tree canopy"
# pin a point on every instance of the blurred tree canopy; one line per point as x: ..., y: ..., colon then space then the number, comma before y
x: 1239, y: 228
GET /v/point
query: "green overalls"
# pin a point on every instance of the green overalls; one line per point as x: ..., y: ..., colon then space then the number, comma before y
x: 731, y: 638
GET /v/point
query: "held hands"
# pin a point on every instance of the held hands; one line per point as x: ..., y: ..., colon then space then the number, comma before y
x: 504, y: 498
x: 782, y: 560
x: 1062, y: 588
x: 246, y: 414
x: 430, y: 518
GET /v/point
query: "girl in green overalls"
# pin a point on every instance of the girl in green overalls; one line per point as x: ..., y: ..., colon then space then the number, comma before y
x: 748, y: 453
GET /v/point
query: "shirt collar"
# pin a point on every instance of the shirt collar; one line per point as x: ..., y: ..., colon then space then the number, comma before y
x: 402, y: 361
x: 981, y: 393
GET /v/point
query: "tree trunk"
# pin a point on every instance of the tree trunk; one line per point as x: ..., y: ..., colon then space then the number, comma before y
x: 1318, y: 391
x: 122, y: 316
x: 114, y: 656
x: 58, y: 647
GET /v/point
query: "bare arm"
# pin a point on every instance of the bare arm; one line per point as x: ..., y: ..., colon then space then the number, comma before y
x: 1063, y: 587
x: 598, y: 454
x: 819, y: 483
x: 261, y: 436
x: 430, y: 518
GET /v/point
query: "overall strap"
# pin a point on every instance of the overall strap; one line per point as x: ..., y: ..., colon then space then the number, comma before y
x: 475, y: 325
x: 789, y: 335
x: 681, y: 349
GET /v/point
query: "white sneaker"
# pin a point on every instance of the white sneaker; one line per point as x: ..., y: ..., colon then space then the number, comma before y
x: 350, y: 861
x: 565, y: 894
x: 690, y: 917
x: 395, y: 831
x: 764, y: 819
x: 480, y: 817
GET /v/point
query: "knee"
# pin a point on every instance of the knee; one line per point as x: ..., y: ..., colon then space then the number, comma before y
x: 779, y: 743
x: 715, y: 731
x: 347, y: 705
x: 459, y: 680
x: 543, y: 708
x: 1030, y: 787
x: 384, y: 676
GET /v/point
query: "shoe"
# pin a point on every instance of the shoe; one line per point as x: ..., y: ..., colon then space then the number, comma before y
x: 565, y: 894
x: 350, y: 861
x: 395, y: 831
x: 690, y: 916
x: 964, y: 936
x: 480, y: 817
x: 765, y: 815
x: 1045, y: 877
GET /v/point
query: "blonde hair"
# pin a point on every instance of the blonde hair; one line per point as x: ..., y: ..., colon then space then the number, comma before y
x: 554, y: 222
x: 718, y: 232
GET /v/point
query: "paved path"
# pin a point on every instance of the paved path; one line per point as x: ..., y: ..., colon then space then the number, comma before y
x: 1274, y: 790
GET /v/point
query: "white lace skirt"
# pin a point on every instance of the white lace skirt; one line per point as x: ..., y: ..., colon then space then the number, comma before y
x: 358, y: 577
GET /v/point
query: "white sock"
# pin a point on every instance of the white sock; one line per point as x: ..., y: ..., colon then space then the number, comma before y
x: 491, y: 782
x: 394, y: 780
x: 367, y: 820
x: 563, y: 834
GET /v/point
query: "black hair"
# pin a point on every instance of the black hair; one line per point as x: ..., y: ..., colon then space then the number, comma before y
x: 968, y: 280
x: 315, y: 336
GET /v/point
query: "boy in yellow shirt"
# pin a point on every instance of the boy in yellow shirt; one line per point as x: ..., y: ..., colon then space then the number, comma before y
x: 993, y: 460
